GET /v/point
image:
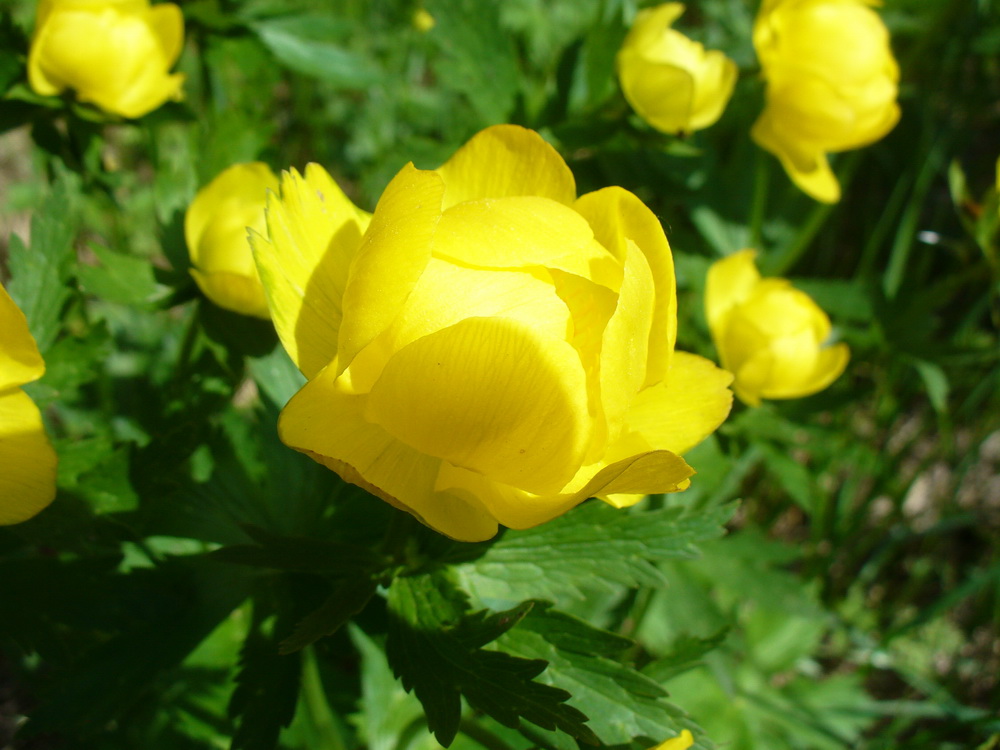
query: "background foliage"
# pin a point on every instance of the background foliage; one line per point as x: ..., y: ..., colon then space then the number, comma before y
x: 181, y: 591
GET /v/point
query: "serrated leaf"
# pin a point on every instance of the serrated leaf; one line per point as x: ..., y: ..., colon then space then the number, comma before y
x: 349, y: 597
x: 302, y: 554
x: 623, y: 703
x: 592, y: 546
x: 685, y: 654
x: 267, y: 686
x: 39, y: 274
x: 434, y: 647
x: 122, y: 279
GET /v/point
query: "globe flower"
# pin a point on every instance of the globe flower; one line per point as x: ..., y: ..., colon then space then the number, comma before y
x: 27, y: 461
x: 831, y: 85
x: 671, y: 81
x: 487, y: 347
x: 215, y: 228
x: 771, y: 336
x: 114, y: 53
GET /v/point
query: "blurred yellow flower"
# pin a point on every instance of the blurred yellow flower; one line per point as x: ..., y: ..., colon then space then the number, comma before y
x: 681, y: 742
x: 671, y: 81
x: 114, y: 53
x: 423, y: 21
x: 27, y: 460
x: 487, y: 347
x: 215, y: 228
x: 831, y: 85
x: 768, y: 334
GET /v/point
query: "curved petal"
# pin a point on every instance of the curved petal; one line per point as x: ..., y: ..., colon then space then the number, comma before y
x: 167, y: 22
x: 685, y: 408
x: 27, y: 460
x: 393, y: 255
x: 521, y: 232
x: 491, y: 395
x: 829, y: 365
x: 233, y: 291
x: 325, y: 422
x: 504, y: 161
x: 314, y: 232
x: 617, y: 216
x: 661, y: 94
x: 20, y: 361
x: 807, y: 167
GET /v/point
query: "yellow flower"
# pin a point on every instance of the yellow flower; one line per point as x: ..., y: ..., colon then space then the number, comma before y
x: 114, y: 53
x: 487, y: 347
x: 670, y: 80
x: 27, y: 461
x: 423, y: 21
x: 215, y: 228
x: 831, y: 85
x: 768, y: 334
x: 681, y: 742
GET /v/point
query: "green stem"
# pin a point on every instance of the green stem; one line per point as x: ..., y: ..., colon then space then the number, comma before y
x: 758, y: 207
x: 323, y: 722
x: 483, y: 736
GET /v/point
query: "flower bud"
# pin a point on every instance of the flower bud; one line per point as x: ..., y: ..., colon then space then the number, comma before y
x: 114, y: 53
x: 27, y: 460
x: 216, y: 226
x: 671, y: 81
x: 831, y: 85
x: 771, y: 336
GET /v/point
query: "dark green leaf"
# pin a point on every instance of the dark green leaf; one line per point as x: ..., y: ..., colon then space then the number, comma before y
x: 685, y: 654
x: 349, y: 597
x: 435, y: 648
x: 302, y: 554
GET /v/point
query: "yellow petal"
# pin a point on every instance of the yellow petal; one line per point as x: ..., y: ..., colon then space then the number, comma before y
x: 393, y: 255
x: 662, y: 95
x: 504, y: 161
x: 809, y: 169
x: 167, y: 22
x: 447, y: 294
x: 20, y: 361
x: 730, y: 282
x: 242, y: 294
x: 314, y: 232
x: 828, y: 365
x: 27, y: 461
x: 520, y: 232
x: 491, y: 395
x: 688, y: 406
x: 681, y: 742
x: 625, y: 346
x: 617, y: 216
x: 325, y: 422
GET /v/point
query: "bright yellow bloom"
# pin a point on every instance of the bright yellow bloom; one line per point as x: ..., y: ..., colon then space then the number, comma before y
x: 116, y: 54
x: 27, y: 461
x: 487, y: 347
x: 768, y: 334
x: 423, y: 21
x: 681, y: 742
x: 215, y: 228
x: 831, y: 85
x: 670, y: 80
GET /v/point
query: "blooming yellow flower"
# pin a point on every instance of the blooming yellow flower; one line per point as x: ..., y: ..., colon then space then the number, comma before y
x: 768, y: 334
x: 114, y: 53
x: 671, y: 81
x: 423, y: 21
x: 215, y: 228
x: 831, y: 85
x: 487, y: 347
x: 681, y: 742
x: 27, y: 461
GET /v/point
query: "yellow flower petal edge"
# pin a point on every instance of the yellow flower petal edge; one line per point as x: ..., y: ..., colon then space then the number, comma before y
x: 771, y: 336
x: 27, y: 460
x: 484, y: 355
x: 681, y: 742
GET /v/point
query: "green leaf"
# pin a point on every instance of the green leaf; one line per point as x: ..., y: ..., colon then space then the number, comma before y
x: 686, y: 652
x: 302, y: 554
x: 623, y: 704
x: 39, y: 275
x: 349, y: 597
x: 476, y: 59
x: 592, y: 546
x: 122, y: 279
x: 311, y: 44
x: 267, y: 685
x: 936, y: 382
x: 435, y: 648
